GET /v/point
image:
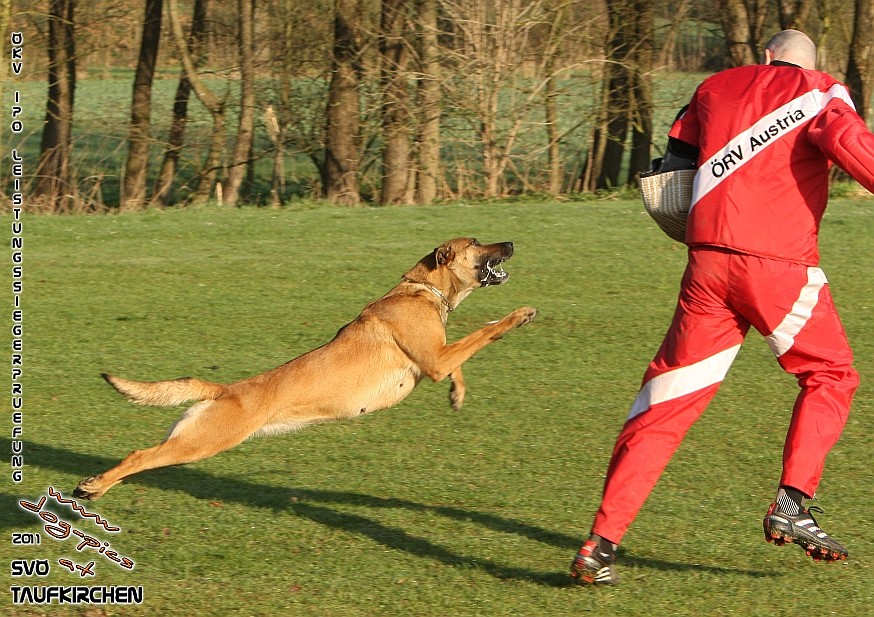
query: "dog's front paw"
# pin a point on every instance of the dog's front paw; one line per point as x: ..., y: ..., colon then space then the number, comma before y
x: 89, y: 488
x: 524, y: 315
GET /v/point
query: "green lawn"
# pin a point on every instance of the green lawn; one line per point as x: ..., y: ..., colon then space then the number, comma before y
x: 417, y: 510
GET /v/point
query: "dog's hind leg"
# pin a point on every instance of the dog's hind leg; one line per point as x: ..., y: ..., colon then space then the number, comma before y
x: 206, y: 429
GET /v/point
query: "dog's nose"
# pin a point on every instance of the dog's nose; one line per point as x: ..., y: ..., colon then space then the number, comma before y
x: 508, y: 248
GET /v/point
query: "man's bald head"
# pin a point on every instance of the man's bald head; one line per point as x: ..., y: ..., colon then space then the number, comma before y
x: 791, y: 46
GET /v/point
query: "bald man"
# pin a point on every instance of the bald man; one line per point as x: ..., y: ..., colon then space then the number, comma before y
x: 762, y: 138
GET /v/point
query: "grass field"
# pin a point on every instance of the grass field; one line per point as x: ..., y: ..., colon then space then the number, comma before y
x: 417, y: 510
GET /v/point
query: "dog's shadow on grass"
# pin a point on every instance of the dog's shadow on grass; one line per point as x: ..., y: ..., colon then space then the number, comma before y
x: 315, y: 505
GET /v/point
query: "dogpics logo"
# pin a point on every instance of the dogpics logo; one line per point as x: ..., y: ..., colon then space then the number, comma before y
x: 91, y: 552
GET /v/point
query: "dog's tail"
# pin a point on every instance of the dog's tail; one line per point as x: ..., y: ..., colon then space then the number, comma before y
x: 166, y: 393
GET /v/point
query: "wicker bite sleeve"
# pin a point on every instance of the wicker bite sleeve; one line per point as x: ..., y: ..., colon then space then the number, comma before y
x: 667, y: 197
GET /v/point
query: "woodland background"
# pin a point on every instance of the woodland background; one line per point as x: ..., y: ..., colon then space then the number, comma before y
x: 374, y: 101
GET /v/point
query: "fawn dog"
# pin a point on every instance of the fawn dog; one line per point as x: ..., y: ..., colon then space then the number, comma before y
x: 372, y: 363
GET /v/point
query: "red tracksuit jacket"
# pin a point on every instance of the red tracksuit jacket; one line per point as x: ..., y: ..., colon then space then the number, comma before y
x: 746, y: 197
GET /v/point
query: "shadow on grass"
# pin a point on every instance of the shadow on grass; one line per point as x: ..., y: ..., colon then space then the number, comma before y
x: 315, y: 506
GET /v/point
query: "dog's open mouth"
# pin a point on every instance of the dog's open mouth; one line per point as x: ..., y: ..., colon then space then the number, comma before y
x: 492, y: 272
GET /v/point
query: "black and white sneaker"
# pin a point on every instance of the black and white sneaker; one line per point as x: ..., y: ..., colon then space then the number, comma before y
x: 801, y: 528
x: 593, y: 566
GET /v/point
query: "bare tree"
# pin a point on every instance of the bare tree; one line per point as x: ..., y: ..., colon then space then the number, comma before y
x: 394, y: 57
x: 796, y: 14
x: 55, y: 185
x: 286, y: 68
x: 342, y: 131
x: 173, y: 149
x: 277, y: 121
x: 553, y: 134
x: 493, y: 39
x: 246, y: 130
x: 139, y: 136
x: 428, y: 103
x: 610, y: 131
x: 550, y: 53
x: 299, y: 58
x: 860, y: 68
x: 666, y: 54
x: 641, y: 93
x: 407, y: 101
x: 626, y: 97
x: 207, y: 177
x: 743, y: 24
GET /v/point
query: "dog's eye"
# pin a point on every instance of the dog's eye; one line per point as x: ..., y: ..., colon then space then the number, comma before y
x: 475, y: 243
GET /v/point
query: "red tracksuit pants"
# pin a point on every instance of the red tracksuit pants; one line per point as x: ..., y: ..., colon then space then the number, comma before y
x: 723, y: 293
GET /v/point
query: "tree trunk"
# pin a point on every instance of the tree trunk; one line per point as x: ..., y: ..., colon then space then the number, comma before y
x: 553, y: 151
x: 216, y: 107
x: 609, y: 142
x: 860, y: 67
x: 795, y: 15
x: 207, y: 178
x: 626, y: 98
x: 276, y: 133
x: 594, y: 163
x: 340, y: 171
x: 666, y: 54
x: 488, y: 136
x: 393, y: 50
x: 246, y: 130
x: 496, y: 35
x: 550, y: 63
x: 175, y: 140
x: 277, y: 121
x: 490, y: 39
x: 429, y: 106
x: 736, y: 24
x: 617, y: 131
x: 54, y: 185
x: 133, y: 194
x: 641, y: 104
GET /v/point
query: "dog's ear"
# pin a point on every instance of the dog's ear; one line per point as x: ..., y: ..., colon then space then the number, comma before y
x: 429, y: 261
x: 443, y: 254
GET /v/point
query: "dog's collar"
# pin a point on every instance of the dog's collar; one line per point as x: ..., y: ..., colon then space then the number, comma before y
x: 440, y: 295
x: 434, y: 291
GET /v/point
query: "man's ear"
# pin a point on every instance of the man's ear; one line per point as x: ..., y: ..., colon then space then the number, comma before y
x: 443, y: 255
